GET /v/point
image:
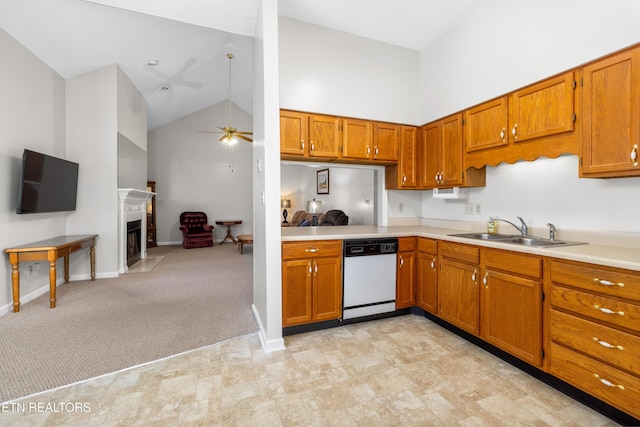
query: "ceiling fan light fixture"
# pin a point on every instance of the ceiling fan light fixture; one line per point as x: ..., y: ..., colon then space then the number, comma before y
x: 152, y: 62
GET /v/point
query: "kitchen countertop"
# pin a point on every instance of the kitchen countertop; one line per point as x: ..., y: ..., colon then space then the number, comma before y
x: 595, y: 253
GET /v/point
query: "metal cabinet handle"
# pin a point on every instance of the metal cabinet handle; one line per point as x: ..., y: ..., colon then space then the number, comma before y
x: 401, y: 260
x: 303, y: 144
x: 485, y: 281
x: 607, y: 345
x: 608, y: 383
x: 313, y: 146
x: 315, y: 268
x: 310, y: 270
x: 502, y: 134
x: 606, y: 310
x: 376, y: 152
x: 514, y: 131
x: 607, y: 282
x: 474, y: 276
x: 368, y: 150
x: 634, y: 154
x: 312, y: 250
x: 404, y: 178
x: 433, y: 264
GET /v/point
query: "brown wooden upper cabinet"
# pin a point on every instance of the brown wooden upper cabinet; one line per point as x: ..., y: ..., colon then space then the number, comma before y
x: 441, y: 156
x: 404, y: 173
x: 311, y: 135
x: 540, y: 110
x: 611, y: 110
x: 357, y: 141
x: 385, y: 141
x: 294, y: 133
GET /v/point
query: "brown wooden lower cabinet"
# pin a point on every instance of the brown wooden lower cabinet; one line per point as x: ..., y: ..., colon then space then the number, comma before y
x: 311, y: 282
x: 511, y: 301
x: 427, y: 275
x: 406, y: 273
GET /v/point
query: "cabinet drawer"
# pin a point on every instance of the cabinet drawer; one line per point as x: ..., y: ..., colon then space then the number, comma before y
x: 460, y: 252
x: 428, y: 245
x: 608, y: 310
x: 319, y: 248
x: 611, y: 346
x: 512, y: 262
x: 406, y: 244
x: 602, y: 381
x: 618, y: 283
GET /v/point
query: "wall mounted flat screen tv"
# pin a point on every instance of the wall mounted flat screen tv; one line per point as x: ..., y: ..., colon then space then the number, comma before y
x: 47, y: 184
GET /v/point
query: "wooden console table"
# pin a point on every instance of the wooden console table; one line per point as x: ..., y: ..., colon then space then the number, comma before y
x: 49, y: 250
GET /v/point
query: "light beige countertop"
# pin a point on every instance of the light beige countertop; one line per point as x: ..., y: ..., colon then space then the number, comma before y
x: 593, y: 252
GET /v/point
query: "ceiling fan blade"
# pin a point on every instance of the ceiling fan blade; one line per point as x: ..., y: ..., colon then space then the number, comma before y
x: 191, y: 85
x: 209, y: 131
x: 246, y: 133
x: 243, y: 137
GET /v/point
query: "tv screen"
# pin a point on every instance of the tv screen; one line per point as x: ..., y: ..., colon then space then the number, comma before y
x: 47, y: 184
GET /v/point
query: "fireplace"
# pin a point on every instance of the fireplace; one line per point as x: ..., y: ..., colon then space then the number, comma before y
x: 134, y: 237
x: 132, y: 226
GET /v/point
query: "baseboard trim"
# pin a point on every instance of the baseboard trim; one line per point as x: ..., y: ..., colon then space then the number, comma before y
x: 268, y: 346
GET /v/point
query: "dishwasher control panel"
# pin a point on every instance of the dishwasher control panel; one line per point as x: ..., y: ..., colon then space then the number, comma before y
x: 368, y: 247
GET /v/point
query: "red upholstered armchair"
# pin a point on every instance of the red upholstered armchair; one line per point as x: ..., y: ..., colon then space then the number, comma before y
x: 196, y: 233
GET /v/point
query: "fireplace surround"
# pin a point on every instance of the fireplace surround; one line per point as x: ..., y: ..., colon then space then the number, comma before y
x: 132, y: 208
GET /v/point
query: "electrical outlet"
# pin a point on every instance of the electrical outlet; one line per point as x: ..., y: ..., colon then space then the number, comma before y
x: 468, y: 208
x: 478, y: 210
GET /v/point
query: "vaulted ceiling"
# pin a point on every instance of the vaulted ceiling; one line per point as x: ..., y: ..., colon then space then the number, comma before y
x: 189, y: 40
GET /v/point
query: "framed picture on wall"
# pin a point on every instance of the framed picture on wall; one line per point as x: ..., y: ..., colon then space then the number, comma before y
x: 322, y: 181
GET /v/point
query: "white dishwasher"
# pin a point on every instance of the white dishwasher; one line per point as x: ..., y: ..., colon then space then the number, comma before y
x: 369, y: 277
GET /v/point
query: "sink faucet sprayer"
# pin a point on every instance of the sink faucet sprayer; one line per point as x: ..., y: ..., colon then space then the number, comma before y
x: 524, y: 230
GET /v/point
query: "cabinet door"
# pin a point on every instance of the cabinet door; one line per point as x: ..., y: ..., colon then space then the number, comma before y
x: 327, y: 288
x: 427, y: 292
x: 512, y: 315
x: 293, y: 133
x: 356, y: 139
x: 430, y: 154
x: 297, y: 276
x: 485, y: 126
x: 324, y: 136
x: 611, y: 122
x: 451, y: 152
x: 406, y: 280
x: 385, y: 141
x: 543, y: 109
x: 458, y: 295
x: 408, y: 157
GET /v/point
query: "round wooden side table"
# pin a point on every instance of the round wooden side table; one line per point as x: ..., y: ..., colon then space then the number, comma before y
x: 229, y: 223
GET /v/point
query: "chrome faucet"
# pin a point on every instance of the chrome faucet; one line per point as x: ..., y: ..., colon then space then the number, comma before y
x: 552, y: 231
x: 524, y: 230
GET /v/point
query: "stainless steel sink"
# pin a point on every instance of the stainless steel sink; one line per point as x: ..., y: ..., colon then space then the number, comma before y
x: 517, y: 240
x: 484, y: 236
x: 538, y: 241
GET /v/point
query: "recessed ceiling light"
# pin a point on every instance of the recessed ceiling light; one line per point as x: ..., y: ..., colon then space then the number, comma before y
x: 165, y: 87
x: 152, y: 63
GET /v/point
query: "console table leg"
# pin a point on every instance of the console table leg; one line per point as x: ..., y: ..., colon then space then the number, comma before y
x: 66, y: 269
x: 15, y: 281
x: 52, y: 284
x: 92, y: 258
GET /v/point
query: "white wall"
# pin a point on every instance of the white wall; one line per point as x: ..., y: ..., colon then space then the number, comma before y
x: 267, y: 273
x: 32, y: 111
x: 192, y: 172
x: 501, y: 46
x: 332, y: 72
x: 92, y: 141
x: 349, y: 188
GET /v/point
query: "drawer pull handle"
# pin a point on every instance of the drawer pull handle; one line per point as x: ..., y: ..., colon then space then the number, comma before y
x: 473, y: 276
x: 312, y: 250
x: 608, y: 383
x: 607, y: 345
x: 433, y: 264
x: 606, y: 310
x: 310, y: 269
x: 607, y: 282
x: 401, y: 261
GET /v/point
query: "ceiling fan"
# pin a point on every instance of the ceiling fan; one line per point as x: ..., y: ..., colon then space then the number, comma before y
x: 177, y: 79
x: 231, y: 135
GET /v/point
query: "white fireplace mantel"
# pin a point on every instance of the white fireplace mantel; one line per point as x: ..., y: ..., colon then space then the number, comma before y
x: 132, y: 207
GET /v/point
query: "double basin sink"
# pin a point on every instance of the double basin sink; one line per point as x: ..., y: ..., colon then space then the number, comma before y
x: 517, y: 240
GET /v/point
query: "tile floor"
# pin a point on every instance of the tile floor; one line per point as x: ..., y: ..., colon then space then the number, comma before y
x: 393, y: 372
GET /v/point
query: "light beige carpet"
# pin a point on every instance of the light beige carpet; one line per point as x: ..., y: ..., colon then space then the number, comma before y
x: 192, y: 298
